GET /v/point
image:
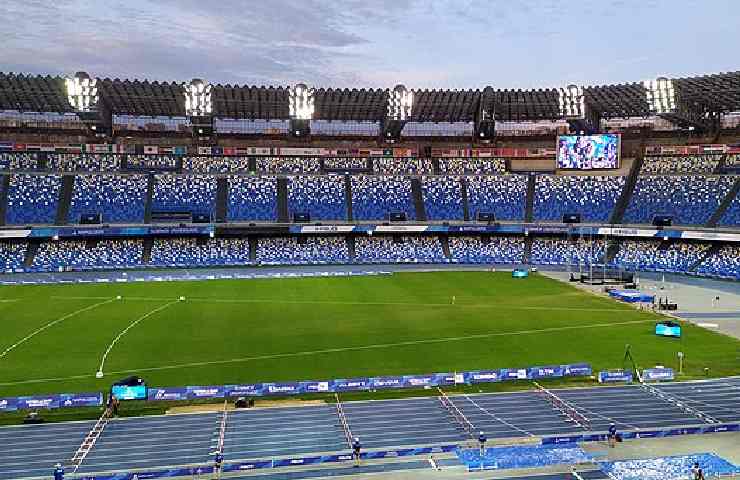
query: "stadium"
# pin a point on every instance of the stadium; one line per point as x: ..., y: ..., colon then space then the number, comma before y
x: 466, y: 282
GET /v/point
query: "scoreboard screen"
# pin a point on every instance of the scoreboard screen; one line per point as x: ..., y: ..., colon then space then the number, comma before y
x: 587, y: 152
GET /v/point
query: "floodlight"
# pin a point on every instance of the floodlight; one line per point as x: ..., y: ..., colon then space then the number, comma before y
x: 82, y: 92
x: 301, y: 102
x: 571, y: 102
x: 400, y: 103
x: 197, y: 98
x: 660, y: 95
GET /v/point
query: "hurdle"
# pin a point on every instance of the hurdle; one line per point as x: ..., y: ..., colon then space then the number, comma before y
x: 452, y: 409
x: 666, y: 397
x: 89, y: 441
x: 564, y: 407
x: 343, y: 421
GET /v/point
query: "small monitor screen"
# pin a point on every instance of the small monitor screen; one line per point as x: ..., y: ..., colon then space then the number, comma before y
x: 587, y: 152
x: 125, y: 392
x: 668, y: 329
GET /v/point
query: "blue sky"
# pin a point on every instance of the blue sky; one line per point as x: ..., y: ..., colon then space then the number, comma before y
x: 355, y: 43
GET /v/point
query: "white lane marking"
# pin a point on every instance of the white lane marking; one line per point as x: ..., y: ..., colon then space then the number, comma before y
x: 498, y: 419
x: 708, y: 325
x: 132, y: 325
x: 51, y: 324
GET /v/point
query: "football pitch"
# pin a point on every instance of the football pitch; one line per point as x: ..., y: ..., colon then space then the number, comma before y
x: 54, y: 338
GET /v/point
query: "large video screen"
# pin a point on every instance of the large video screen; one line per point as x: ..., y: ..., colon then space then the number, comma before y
x: 125, y: 392
x: 587, y: 152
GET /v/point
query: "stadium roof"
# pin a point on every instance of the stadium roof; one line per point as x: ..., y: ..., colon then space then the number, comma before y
x: 718, y: 92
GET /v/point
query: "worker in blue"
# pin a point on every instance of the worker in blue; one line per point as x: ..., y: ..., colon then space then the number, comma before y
x: 482, y: 442
x: 356, y: 447
x: 611, y: 436
x: 58, y: 472
x: 218, y: 461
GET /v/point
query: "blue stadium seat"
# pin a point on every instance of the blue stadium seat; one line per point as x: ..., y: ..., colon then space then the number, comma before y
x: 402, y: 166
x: 252, y: 198
x: 33, y: 199
x: 288, y: 164
x: 653, y: 255
x: 320, y: 195
x: 494, y: 250
x: 184, y: 193
x: 77, y: 255
x: 12, y: 255
x: 406, y: 250
x: 558, y: 251
x: 79, y: 162
x: 118, y: 198
x: 731, y: 217
x: 593, y: 197
x: 442, y: 198
x: 472, y: 166
x: 306, y: 251
x: 374, y: 197
x: 502, y: 195
x: 724, y: 263
x: 189, y: 252
x: 18, y: 162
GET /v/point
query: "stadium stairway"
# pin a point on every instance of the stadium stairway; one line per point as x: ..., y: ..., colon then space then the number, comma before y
x: 4, y: 185
x: 351, y: 247
x: 724, y: 205
x: 629, y: 186
x: 42, y: 160
x: 252, y: 249
x: 421, y: 213
x: 252, y: 164
x: 33, y: 247
x: 435, y: 166
x: 711, y: 251
x: 529, y: 211
x: 222, y: 198
x: 65, y: 199
x: 282, y: 200
x: 348, y: 196
x: 612, y: 248
x: 179, y: 164
x: 445, y: 241
x: 146, y: 254
x: 527, y: 250
x: 720, y: 168
x: 464, y: 197
x: 149, y: 196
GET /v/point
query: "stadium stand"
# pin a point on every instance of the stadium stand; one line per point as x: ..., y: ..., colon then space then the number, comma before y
x: 346, y: 163
x: 399, y: 250
x: 345, y: 127
x: 731, y: 217
x: 152, y: 162
x: 689, y: 199
x: 252, y: 198
x: 653, y: 255
x: 186, y: 252
x: 558, y: 251
x: 323, y: 197
x: 593, y: 197
x: 83, y: 162
x: 374, y: 197
x: 18, y: 162
x: 78, y: 255
x: 681, y: 164
x: 502, y: 195
x: 32, y: 199
x: 215, y: 164
x: 288, y: 164
x: 494, y: 250
x: 12, y: 255
x: 302, y: 251
x: 442, y: 198
x: 245, y: 126
x: 472, y: 166
x: 402, y: 166
x: 184, y: 193
x: 118, y: 198
x: 725, y: 263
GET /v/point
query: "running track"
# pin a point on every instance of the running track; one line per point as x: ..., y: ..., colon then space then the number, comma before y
x: 156, y: 442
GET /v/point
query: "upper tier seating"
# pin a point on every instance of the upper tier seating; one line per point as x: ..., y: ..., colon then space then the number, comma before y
x: 472, y: 166
x: 502, y: 195
x: 252, y: 198
x: 18, y: 161
x: 652, y: 255
x: 321, y: 196
x: 402, y: 166
x: 77, y: 255
x: 374, y: 197
x: 404, y: 250
x: 442, y: 198
x: 80, y: 162
x: 188, y: 252
x: 724, y: 263
x: 184, y: 193
x: 346, y: 163
x: 152, y: 162
x: 681, y: 164
x: 731, y: 217
x: 495, y: 250
x: 690, y: 199
x: 593, y: 197
x: 557, y: 251
x: 302, y: 251
x: 288, y: 164
x: 118, y: 198
x: 32, y: 198
x: 216, y: 164
x: 12, y: 255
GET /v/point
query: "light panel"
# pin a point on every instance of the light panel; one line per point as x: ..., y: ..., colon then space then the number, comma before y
x: 301, y: 102
x: 400, y: 103
x: 660, y: 95
x: 82, y: 92
x: 571, y: 102
x: 198, y: 98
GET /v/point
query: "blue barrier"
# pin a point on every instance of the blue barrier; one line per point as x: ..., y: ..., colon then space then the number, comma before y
x: 615, y: 376
x: 657, y: 374
x: 635, y: 434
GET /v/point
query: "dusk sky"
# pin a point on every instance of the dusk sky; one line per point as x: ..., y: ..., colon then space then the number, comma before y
x: 365, y: 43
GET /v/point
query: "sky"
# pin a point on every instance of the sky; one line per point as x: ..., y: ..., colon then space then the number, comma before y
x: 423, y: 44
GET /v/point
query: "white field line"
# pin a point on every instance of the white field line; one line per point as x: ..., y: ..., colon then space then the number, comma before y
x: 131, y: 325
x: 51, y: 324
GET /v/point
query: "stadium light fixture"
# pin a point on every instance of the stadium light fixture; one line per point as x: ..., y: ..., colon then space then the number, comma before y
x: 660, y: 95
x: 301, y: 102
x: 400, y: 103
x: 197, y: 98
x: 571, y: 102
x: 82, y: 92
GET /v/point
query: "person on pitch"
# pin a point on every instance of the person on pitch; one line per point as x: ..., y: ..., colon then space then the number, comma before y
x: 482, y: 442
x: 356, y: 447
x: 217, y: 463
x: 612, y: 435
x: 58, y: 472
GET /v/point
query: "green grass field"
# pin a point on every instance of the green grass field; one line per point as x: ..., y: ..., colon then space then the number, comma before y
x: 53, y: 337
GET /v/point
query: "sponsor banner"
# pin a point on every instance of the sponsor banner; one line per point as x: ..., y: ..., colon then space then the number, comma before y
x: 40, y: 401
x: 240, y: 467
x: 482, y: 376
x: 712, y: 148
x: 629, y: 232
x: 421, y: 381
x: 731, y: 427
x: 562, y: 440
x: 725, y: 237
x: 513, y: 374
x: 400, y: 228
x: 204, y: 150
x: 244, y: 390
x: 170, y: 393
x: 291, y: 462
x: 8, y: 404
x: 545, y: 372
x: 351, y: 384
x: 80, y: 400
x: 15, y: 233
x: 299, y: 152
x: 6, y: 146
x: 403, y: 152
x: 206, y: 392
x: 378, y: 383
x: 151, y: 149
x: 322, y: 229
x: 315, y: 387
x: 615, y: 376
x: 286, y: 388
x: 577, y: 370
x: 657, y: 374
